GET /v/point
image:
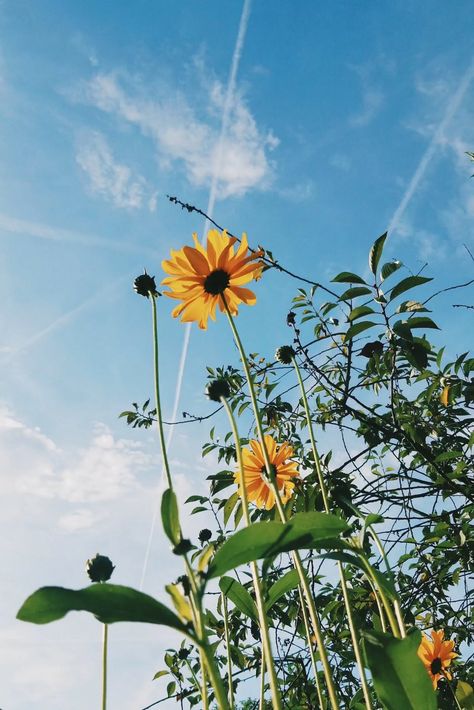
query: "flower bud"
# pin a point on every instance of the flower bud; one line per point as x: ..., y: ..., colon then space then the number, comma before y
x: 99, y: 568
x: 285, y: 354
x: 217, y: 389
x: 204, y: 536
x: 145, y: 284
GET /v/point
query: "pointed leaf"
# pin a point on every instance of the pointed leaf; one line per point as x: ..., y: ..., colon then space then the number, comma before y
x: 358, y: 328
x: 237, y: 594
x: 179, y: 602
x: 359, y: 312
x: 264, y: 539
x: 376, y: 252
x: 347, y: 277
x: 170, y: 516
x: 282, y: 586
x: 108, y: 602
x: 389, y: 268
x: 406, y: 284
x: 421, y: 322
x: 354, y: 292
x: 400, y: 678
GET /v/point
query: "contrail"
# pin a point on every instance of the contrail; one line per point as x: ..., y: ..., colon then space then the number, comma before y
x: 239, y: 44
x: 419, y: 173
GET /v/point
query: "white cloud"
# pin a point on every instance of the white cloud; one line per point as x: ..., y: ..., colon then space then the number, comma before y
x: 372, y: 101
x: 107, y: 177
x: 186, y: 131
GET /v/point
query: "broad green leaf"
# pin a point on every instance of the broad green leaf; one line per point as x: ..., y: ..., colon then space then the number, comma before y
x: 108, y: 602
x: 358, y: 328
x: 421, y: 322
x: 346, y: 277
x: 465, y: 695
x: 376, y: 252
x: 389, y: 268
x: 179, y: 602
x: 205, y: 557
x: 382, y: 579
x: 354, y: 292
x: 237, y: 594
x: 402, y: 329
x: 281, y: 587
x: 406, y: 284
x: 400, y: 679
x: 159, y: 674
x: 359, y: 312
x: 230, y: 505
x: 265, y: 539
x: 170, y: 516
x: 411, y: 306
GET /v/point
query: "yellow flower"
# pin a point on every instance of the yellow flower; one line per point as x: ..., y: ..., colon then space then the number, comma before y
x: 436, y: 656
x: 258, y: 488
x: 199, y: 277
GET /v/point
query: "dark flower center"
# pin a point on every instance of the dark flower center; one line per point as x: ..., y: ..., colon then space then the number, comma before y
x: 436, y: 666
x: 216, y: 282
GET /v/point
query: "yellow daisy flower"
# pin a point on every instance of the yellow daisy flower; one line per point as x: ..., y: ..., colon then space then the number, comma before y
x: 200, y: 276
x: 256, y: 483
x: 436, y: 656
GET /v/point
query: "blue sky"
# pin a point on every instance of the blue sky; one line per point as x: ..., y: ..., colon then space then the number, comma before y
x: 312, y: 126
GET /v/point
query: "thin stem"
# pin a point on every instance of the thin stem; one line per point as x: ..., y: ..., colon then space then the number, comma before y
x: 385, y: 601
x: 261, y: 705
x: 345, y: 593
x: 458, y: 705
x: 105, y: 639
x: 204, y: 696
x: 267, y: 648
x: 227, y: 646
x: 312, y: 654
x: 396, y: 603
x: 296, y: 558
x: 159, y: 416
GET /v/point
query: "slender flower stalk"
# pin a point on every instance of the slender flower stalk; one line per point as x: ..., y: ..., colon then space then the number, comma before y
x: 261, y: 704
x: 206, y: 656
x: 312, y: 654
x: 267, y: 649
x: 105, y: 639
x: 227, y: 646
x: 396, y: 603
x: 345, y: 592
x: 281, y: 511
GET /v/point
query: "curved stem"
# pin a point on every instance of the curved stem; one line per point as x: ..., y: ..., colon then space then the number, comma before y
x: 296, y: 557
x: 396, y: 603
x: 227, y: 647
x: 159, y: 416
x: 267, y: 648
x: 105, y: 640
x: 345, y: 593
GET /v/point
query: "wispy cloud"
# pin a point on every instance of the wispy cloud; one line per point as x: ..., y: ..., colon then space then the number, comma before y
x: 438, y: 138
x: 112, y: 180
x: 372, y: 101
x: 186, y: 130
x: 26, y: 228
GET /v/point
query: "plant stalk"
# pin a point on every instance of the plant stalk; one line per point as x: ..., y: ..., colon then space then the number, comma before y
x: 105, y: 643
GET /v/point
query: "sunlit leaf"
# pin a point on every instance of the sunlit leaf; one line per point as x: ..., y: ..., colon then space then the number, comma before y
x: 265, y: 539
x: 108, y: 602
x: 376, y: 252
x: 465, y: 695
x: 179, y: 601
x: 389, y: 268
x: 406, y: 284
x: 400, y: 678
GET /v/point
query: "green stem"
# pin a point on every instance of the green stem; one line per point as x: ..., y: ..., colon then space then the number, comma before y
x: 159, y: 417
x: 311, y: 648
x: 227, y: 646
x: 207, y: 658
x: 385, y: 601
x: 396, y: 603
x: 296, y: 557
x: 261, y: 705
x: 105, y: 640
x: 345, y: 593
x: 267, y: 648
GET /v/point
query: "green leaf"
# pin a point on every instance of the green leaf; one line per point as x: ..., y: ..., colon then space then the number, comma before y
x: 346, y: 277
x: 108, y: 602
x: 465, y: 695
x: 421, y: 322
x: 265, y: 539
x: 406, y: 284
x: 399, y: 677
x: 357, y: 328
x: 402, y: 329
x: 170, y: 516
x: 179, y: 602
x: 389, y: 268
x: 159, y: 674
x: 354, y: 292
x: 237, y: 594
x: 281, y: 587
x: 376, y: 252
x: 230, y: 505
x: 359, y: 312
